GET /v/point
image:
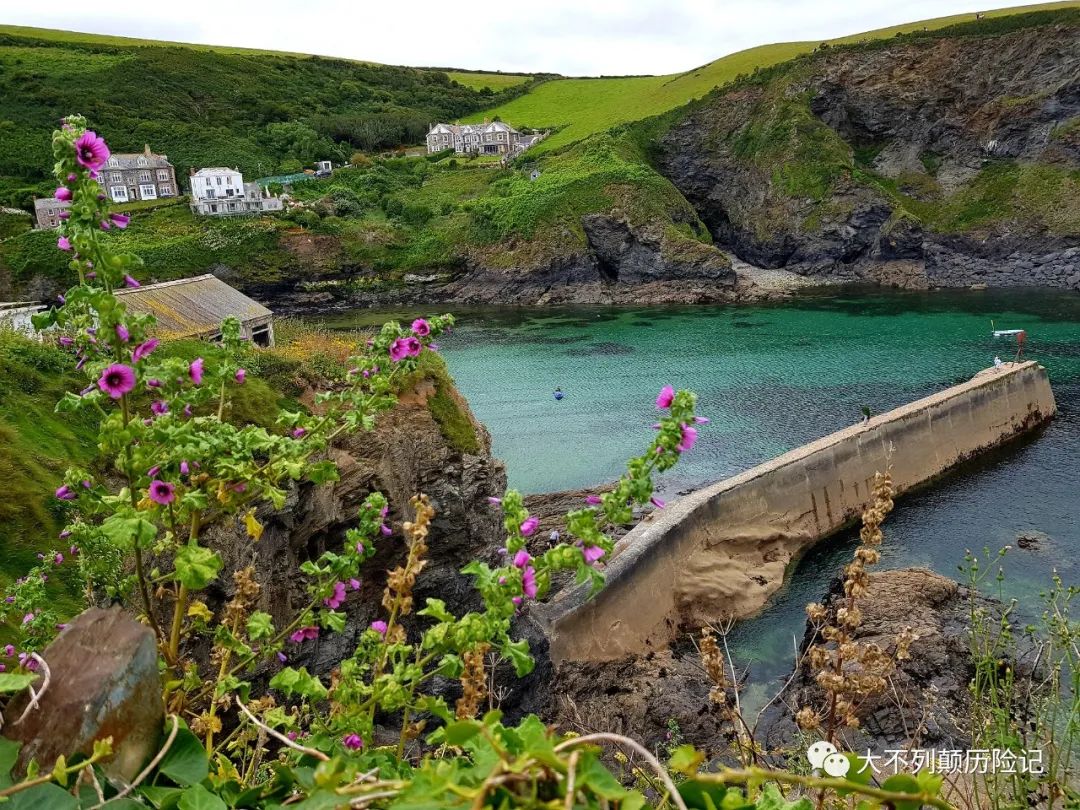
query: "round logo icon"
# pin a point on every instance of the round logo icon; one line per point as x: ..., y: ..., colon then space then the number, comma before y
x: 817, y: 753
x: 837, y: 765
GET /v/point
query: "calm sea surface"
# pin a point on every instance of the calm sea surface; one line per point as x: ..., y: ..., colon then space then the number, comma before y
x: 772, y: 377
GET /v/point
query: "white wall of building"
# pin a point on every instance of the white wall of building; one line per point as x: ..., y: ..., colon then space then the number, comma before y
x: 217, y: 184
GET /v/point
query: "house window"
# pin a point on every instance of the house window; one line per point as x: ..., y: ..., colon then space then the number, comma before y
x: 118, y: 193
x: 165, y: 190
x: 116, y: 177
x: 142, y: 161
x: 209, y: 194
x: 147, y: 191
x: 163, y: 174
x: 114, y: 162
x: 144, y: 177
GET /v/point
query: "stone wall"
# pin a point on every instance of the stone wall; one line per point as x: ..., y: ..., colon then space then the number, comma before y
x: 950, y: 265
x: 723, y: 550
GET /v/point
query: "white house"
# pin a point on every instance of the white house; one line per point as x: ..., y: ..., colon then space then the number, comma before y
x: 222, y: 192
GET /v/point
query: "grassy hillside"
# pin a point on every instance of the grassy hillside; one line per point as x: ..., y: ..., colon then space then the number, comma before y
x: 491, y: 81
x: 264, y: 113
x: 582, y: 107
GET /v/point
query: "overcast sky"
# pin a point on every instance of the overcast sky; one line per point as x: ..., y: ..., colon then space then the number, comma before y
x: 572, y: 37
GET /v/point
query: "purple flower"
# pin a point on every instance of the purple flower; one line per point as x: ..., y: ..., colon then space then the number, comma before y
x: 162, y: 492
x: 63, y: 243
x: 298, y: 433
x: 516, y: 600
x: 9, y: 650
x: 65, y: 493
x: 334, y: 602
x: 353, y: 742
x: 105, y: 224
x: 184, y: 468
x: 153, y: 471
x: 123, y: 333
x: 701, y: 420
x: 29, y: 617
x: 592, y: 553
x: 196, y: 370
x: 58, y: 559
x: 153, y: 382
x: 494, y: 500
x: 386, y: 530
x: 64, y: 215
x: 659, y: 504
x: 65, y: 534
x: 522, y: 558
x: 130, y: 282
x: 379, y: 626
x: 665, y: 397
x: 91, y: 151
x: 292, y: 735
x: 354, y: 583
x: 528, y: 582
x: 117, y: 380
x: 187, y: 411
x: 72, y: 177
x: 63, y: 193
x: 282, y: 657
x: 421, y: 328
x: 91, y: 276
x: 65, y: 341
x: 359, y: 548
x: 529, y: 525
x: 240, y: 375
x: 689, y: 437
x: 159, y: 407
x: 592, y: 500
x: 304, y: 633
x: 120, y: 220
x: 143, y: 350
x: 73, y: 550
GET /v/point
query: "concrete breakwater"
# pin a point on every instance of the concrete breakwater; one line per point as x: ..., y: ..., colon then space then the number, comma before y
x: 722, y: 551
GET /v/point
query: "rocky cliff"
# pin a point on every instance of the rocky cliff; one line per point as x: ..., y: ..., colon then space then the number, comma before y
x: 944, y: 159
x: 407, y: 453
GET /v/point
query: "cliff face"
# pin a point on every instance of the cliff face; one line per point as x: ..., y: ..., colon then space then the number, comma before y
x: 948, y: 160
x: 406, y: 454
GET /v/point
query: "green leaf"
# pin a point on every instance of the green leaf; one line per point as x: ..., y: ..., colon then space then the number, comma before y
x: 16, y: 681
x: 903, y: 783
x: 299, y: 682
x: 260, y: 625
x: 702, y: 795
x: 686, y: 760
x: 773, y: 799
x: 517, y: 652
x: 197, y: 797
x: 461, y: 732
x: 436, y: 609
x: 322, y: 472
x: 43, y: 797
x: 127, y: 533
x: 186, y: 762
x: 591, y: 773
x: 9, y: 754
x: 930, y: 782
x: 196, y: 567
x: 860, y: 773
x: 163, y: 798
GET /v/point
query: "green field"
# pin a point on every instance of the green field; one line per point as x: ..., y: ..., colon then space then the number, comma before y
x: 492, y: 81
x: 582, y: 107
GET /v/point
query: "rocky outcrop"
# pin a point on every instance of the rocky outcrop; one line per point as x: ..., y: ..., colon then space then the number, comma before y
x: 928, y: 704
x: 923, y: 161
x: 405, y: 454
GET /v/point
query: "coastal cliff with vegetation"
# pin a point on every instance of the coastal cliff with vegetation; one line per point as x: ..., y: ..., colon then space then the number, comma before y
x: 938, y: 157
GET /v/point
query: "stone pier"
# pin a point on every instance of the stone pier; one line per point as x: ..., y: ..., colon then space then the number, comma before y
x: 723, y: 550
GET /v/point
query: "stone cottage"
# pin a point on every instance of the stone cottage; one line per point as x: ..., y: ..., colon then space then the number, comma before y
x: 495, y: 138
x: 142, y: 176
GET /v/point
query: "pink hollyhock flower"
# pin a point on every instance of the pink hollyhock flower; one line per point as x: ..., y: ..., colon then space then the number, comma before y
x: 516, y: 600
x: 522, y: 558
x: 434, y: 347
x: 120, y: 220
x: 421, y: 328
x: 359, y: 548
x: 162, y: 492
x: 123, y: 333
x: 195, y: 370
x: 9, y: 650
x: 63, y: 193
x: 298, y: 433
x: 529, y: 525
x: 72, y: 177
x: 240, y: 375
x: 29, y: 617
x: 188, y: 411
x: 91, y: 151
x: 334, y: 602
x: 73, y: 550
x: 665, y: 397
x: 143, y: 350
x: 117, y: 380
x: 58, y: 558
x: 689, y: 437
x: 130, y: 282
x: 65, y: 341
x: 65, y: 534
x: 398, y: 350
x: 353, y: 742
x: 379, y: 626
x: 282, y: 657
x: 528, y: 582
x: 386, y: 530
x: 105, y: 224
x: 659, y: 504
x: 63, y: 243
x: 184, y: 468
x: 494, y: 500
x: 701, y: 420
x: 592, y: 553
x: 153, y: 471
x: 354, y: 583
x: 159, y: 407
x: 304, y: 634
x: 413, y: 346
x: 593, y: 500
x: 64, y: 215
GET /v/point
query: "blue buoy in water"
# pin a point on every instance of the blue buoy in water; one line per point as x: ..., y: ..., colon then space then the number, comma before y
x: 559, y: 394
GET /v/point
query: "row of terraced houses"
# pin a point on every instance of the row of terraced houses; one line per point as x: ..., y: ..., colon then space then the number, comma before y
x: 494, y: 138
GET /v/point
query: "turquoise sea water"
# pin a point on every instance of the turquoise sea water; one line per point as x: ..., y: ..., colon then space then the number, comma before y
x: 771, y: 378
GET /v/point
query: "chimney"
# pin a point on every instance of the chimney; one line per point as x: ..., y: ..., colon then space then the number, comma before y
x: 146, y: 149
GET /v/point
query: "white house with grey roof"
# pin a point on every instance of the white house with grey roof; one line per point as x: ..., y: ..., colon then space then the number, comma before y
x: 221, y: 192
x: 494, y: 138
